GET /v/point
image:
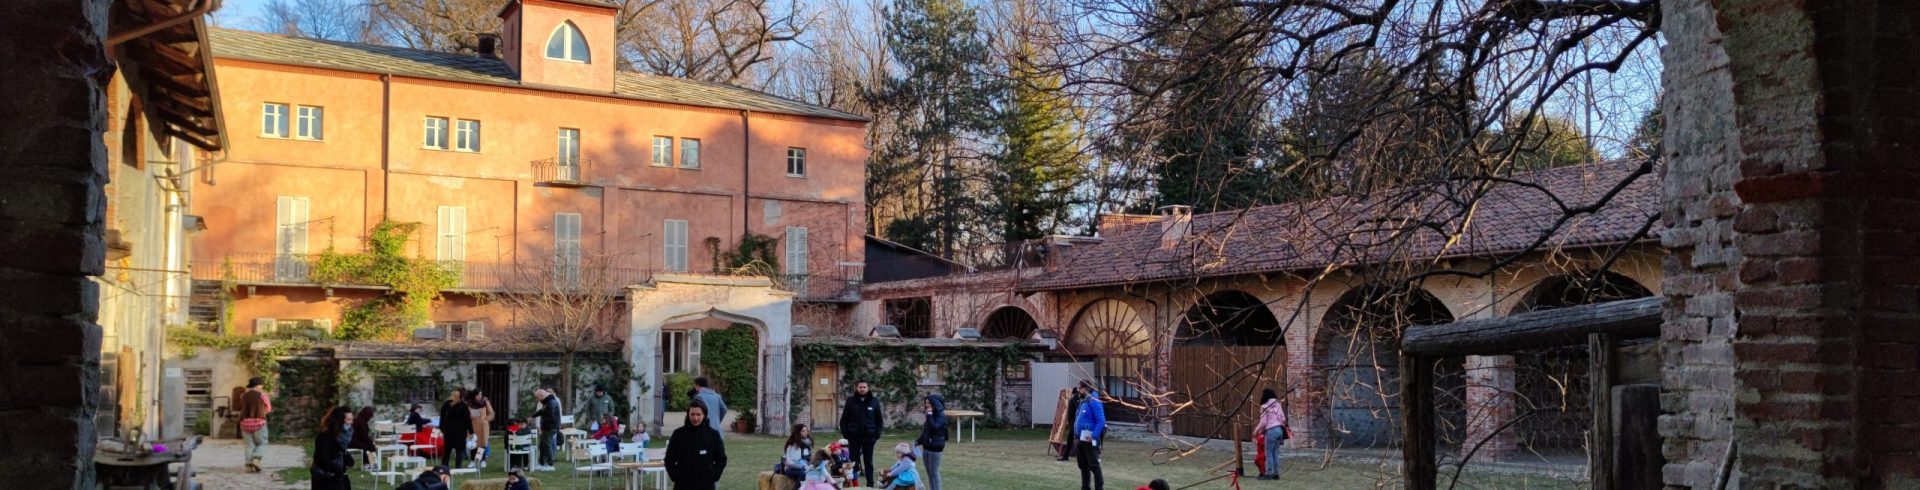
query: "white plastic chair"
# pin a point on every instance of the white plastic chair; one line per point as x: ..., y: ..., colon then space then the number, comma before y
x: 520, y: 446
x: 403, y: 468
x: 383, y: 433
x: 597, y: 462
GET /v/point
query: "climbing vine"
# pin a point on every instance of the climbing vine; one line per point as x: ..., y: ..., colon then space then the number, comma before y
x: 969, y: 372
x: 730, y: 359
x: 413, y: 282
x: 229, y: 282
x: 755, y: 254
x: 187, y: 340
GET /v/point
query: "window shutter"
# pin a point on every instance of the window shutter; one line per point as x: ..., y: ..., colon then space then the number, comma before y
x: 476, y: 329
x: 300, y: 225
x: 443, y: 227
x: 283, y: 219
x: 796, y: 250
x: 459, y: 216
x: 693, y: 352
x: 262, y: 325
x: 674, y: 254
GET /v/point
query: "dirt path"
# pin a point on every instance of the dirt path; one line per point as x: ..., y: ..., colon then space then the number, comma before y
x: 220, y: 465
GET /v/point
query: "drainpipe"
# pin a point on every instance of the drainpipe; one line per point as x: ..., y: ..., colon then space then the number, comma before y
x: 746, y: 172
x: 386, y: 142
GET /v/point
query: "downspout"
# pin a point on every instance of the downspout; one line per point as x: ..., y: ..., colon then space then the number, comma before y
x: 746, y: 171
x: 386, y: 143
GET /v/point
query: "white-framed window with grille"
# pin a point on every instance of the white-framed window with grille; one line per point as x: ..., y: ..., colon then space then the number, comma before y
x: 436, y: 133
x: 273, y: 120
x: 566, y: 248
x: 796, y: 162
x: 466, y: 135
x: 290, y: 241
x: 567, y: 157
x: 452, y: 243
x: 663, y: 151
x: 309, y: 123
x: 689, y: 153
x: 674, y: 245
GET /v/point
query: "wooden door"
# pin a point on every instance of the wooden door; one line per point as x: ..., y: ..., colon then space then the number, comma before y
x: 1226, y: 399
x: 825, y: 391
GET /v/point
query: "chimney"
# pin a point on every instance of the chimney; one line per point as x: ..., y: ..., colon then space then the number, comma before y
x: 490, y: 46
x: 1174, y: 221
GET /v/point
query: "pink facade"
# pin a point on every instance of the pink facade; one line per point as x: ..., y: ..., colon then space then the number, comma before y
x: 410, y: 145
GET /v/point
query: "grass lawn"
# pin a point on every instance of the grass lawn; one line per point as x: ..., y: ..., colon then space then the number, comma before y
x: 1018, y: 459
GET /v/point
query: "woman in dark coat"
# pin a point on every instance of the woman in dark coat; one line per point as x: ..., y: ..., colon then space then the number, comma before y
x: 933, y: 439
x: 456, y: 422
x: 695, y: 454
x: 363, y: 436
x: 330, y: 450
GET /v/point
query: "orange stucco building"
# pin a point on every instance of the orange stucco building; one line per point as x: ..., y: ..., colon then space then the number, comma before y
x: 535, y: 151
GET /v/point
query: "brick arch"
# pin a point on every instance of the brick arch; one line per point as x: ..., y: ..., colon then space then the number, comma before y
x: 1349, y: 394
x: 1041, y: 321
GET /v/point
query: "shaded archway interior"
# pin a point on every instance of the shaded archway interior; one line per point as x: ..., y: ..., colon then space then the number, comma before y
x: 1360, y: 358
x: 1009, y: 322
x: 1551, y: 394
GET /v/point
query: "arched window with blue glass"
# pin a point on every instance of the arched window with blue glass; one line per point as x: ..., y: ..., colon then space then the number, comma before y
x: 566, y: 43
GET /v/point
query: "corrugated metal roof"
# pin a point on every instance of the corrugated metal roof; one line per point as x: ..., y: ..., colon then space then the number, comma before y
x: 368, y: 58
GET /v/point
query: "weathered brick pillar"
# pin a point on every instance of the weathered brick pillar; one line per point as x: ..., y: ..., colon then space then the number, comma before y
x: 52, y: 167
x: 1793, y: 215
x: 1490, y: 406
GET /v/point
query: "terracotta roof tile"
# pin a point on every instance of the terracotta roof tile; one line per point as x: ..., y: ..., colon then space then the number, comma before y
x: 273, y: 48
x: 1350, y: 231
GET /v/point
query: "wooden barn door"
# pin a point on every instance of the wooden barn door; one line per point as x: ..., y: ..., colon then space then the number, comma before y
x: 1198, y: 368
x: 824, y: 390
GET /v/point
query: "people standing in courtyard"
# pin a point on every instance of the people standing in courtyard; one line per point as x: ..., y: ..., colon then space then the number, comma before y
x: 254, y: 407
x: 1073, y: 410
x: 363, y: 437
x: 862, y: 420
x: 329, y: 470
x: 595, y: 409
x: 716, y: 405
x: 1089, y: 427
x: 456, y: 422
x: 695, y: 454
x: 549, y: 422
x: 482, y: 410
x: 1273, y: 423
x: 933, y: 438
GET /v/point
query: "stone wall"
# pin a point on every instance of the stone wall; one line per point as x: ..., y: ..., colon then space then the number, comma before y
x: 52, y: 167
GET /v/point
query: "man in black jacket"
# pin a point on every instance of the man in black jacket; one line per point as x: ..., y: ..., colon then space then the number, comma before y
x: 549, y: 415
x: 862, y: 421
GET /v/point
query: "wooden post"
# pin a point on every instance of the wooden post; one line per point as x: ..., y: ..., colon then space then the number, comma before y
x: 1637, y: 459
x: 1600, y: 358
x: 1416, y: 414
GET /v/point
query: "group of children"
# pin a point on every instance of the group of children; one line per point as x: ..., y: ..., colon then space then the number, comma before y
x: 833, y: 468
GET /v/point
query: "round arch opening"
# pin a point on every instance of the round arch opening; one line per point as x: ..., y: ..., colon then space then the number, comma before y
x: 1220, y: 334
x: 1360, y: 356
x: 1112, y: 335
x: 1553, y: 384
x: 1009, y: 322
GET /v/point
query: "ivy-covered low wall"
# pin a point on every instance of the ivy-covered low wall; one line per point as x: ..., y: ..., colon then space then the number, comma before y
x: 972, y: 376
x: 391, y: 386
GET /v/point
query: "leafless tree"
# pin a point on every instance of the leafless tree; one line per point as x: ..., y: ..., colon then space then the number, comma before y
x: 321, y: 19
x: 726, y: 41
x: 570, y: 305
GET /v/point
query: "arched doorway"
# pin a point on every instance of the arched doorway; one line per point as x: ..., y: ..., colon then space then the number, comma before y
x: 1111, y: 334
x: 1009, y: 322
x: 749, y: 301
x: 1359, y: 354
x: 1219, y: 335
x: 1551, y: 386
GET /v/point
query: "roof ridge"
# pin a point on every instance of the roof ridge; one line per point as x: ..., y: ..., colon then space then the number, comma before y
x: 1519, y: 176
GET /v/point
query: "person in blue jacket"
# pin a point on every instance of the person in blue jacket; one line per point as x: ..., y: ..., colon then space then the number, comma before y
x: 1089, y: 427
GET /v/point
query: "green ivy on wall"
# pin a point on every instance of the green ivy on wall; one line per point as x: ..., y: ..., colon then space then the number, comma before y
x: 413, y: 282
x: 756, y: 254
x: 730, y: 358
x: 969, y: 372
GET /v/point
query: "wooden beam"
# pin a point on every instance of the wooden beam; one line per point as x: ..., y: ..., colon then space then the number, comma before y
x: 1416, y: 414
x: 1637, y: 457
x: 1624, y: 319
x: 1600, y: 355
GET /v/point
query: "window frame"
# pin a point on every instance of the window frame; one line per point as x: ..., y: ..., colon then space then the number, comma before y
x: 461, y: 133
x: 444, y: 135
x: 451, y: 233
x: 1020, y: 371
x: 566, y: 139
x: 663, y: 155
x: 922, y: 370
x: 317, y: 131
x: 673, y: 347
x: 796, y: 159
x: 567, y: 251
x: 673, y: 246
x: 568, y: 44
x: 285, y: 120
x: 684, y: 158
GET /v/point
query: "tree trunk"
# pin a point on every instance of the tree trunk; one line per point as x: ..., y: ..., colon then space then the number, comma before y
x: 566, y: 379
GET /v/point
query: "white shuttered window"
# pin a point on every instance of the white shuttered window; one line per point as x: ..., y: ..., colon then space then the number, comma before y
x: 290, y: 241
x: 674, y: 250
x: 796, y: 251
x: 453, y: 234
x: 566, y: 248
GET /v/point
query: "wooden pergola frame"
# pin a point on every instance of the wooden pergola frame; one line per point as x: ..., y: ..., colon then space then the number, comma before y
x: 1601, y: 326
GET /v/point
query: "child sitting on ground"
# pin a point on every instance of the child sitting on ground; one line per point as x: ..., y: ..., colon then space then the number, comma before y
x: 843, y: 473
x: 819, y: 472
x: 902, y: 475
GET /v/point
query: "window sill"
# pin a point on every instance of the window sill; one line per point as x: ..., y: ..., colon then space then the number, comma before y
x: 550, y: 58
x: 688, y: 168
x: 797, y: 176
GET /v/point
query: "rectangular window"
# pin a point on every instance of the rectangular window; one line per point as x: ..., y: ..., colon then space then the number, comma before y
x: 466, y: 135
x: 273, y: 120
x: 290, y: 242
x: 796, y: 162
x: 929, y: 374
x: 453, y: 330
x: 566, y: 248
x: 663, y: 151
x: 674, y: 245
x: 567, y: 160
x: 689, y: 153
x: 402, y: 390
x: 673, y: 357
x: 309, y: 125
x: 452, y: 245
x: 1019, y: 371
x: 914, y: 316
x: 436, y: 133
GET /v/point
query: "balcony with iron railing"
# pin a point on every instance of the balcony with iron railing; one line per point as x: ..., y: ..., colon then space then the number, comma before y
x: 561, y: 171
x: 269, y: 269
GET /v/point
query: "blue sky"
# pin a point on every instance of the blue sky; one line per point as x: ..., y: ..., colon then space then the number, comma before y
x: 239, y: 13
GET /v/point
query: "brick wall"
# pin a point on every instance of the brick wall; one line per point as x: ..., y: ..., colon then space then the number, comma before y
x: 51, y: 210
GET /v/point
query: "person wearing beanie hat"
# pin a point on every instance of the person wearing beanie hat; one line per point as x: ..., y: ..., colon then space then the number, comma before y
x: 902, y: 475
